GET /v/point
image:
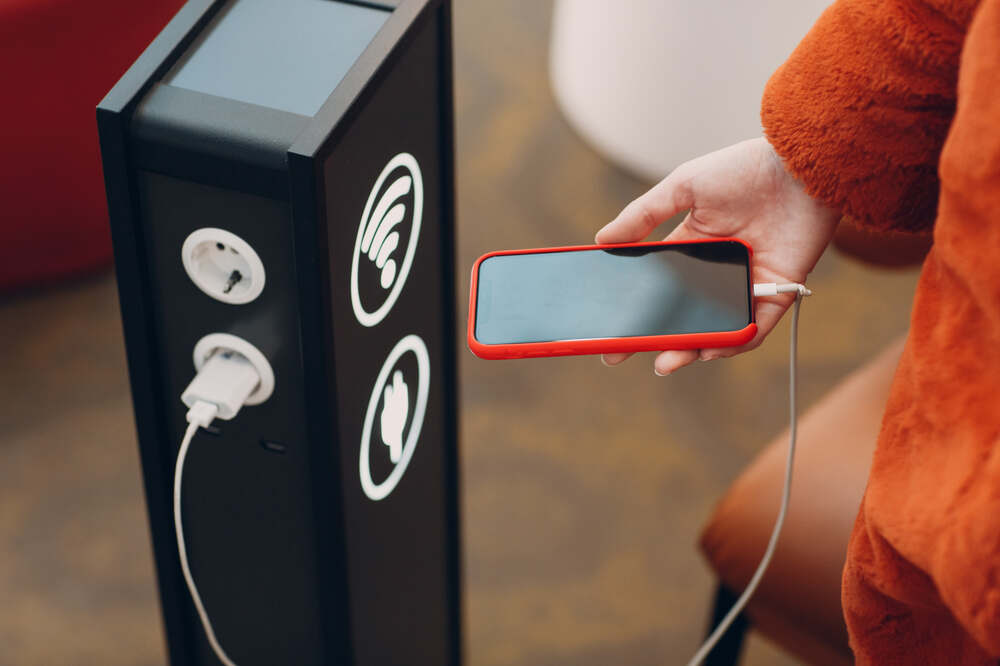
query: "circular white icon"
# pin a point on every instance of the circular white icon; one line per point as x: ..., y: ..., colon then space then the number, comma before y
x: 376, y: 240
x: 395, y: 400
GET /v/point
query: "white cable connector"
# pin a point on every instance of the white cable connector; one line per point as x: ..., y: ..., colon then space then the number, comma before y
x: 773, y: 289
x: 202, y: 414
x: 219, y: 390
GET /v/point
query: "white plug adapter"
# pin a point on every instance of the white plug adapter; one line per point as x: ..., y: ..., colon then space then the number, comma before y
x: 226, y: 380
x: 231, y: 373
x: 213, y: 342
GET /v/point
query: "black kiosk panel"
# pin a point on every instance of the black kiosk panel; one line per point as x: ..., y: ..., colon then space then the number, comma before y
x: 387, y: 295
x: 321, y: 524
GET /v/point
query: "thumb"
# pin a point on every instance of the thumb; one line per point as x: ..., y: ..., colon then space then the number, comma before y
x: 397, y: 380
x: 667, y: 198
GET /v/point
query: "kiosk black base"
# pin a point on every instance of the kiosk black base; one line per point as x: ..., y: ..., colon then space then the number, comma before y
x: 282, y: 171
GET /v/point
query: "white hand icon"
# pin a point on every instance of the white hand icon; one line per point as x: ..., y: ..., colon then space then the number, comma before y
x: 395, y: 409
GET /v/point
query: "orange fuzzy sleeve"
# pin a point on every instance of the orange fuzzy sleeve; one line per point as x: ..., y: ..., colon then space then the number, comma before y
x: 930, y: 526
x: 860, y: 110
x: 943, y: 452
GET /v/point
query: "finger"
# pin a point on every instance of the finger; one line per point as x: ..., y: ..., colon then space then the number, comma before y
x: 397, y: 379
x: 675, y: 359
x: 667, y: 198
x: 614, y: 359
x: 768, y: 312
x: 715, y: 354
x: 388, y: 394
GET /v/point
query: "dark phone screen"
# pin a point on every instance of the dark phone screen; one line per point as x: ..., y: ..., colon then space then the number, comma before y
x: 623, y: 292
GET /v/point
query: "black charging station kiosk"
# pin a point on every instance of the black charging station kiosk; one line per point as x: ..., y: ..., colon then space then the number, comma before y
x: 308, y: 129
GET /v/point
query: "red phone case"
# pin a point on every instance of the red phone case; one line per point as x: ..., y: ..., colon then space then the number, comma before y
x: 603, y: 345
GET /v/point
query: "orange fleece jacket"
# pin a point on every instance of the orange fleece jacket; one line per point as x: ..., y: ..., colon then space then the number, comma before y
x: 890, y: 111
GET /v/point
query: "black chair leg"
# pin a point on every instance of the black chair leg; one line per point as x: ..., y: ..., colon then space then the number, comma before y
x: 727, y: 650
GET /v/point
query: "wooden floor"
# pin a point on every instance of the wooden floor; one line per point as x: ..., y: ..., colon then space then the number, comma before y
x: 584, y: 487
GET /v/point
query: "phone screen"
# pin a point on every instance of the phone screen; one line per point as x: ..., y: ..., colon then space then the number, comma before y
x: 613, y: 293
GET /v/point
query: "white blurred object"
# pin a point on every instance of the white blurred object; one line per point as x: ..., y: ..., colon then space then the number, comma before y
x: 653, y: 83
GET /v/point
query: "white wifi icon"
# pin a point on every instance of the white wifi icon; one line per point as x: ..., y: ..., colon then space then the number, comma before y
x: 380, y: 240
x: 379, y: 234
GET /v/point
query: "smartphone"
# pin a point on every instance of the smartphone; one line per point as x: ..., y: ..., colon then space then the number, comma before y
x: 594, y: 299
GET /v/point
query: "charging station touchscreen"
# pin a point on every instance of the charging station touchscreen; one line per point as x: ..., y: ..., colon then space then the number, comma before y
x: 266, y: 53
x: 612, y: 293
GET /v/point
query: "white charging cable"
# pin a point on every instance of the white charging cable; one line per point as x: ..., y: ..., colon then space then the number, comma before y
x: 218, y: 391
x: 227, y: 379
x: 768, y: 289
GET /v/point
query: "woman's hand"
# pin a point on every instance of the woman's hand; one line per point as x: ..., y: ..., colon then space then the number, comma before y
x: 742, y: 191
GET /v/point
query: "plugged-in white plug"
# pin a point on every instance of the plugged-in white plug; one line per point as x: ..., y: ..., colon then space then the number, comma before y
x: 225, y: 380
x: 210, y: 345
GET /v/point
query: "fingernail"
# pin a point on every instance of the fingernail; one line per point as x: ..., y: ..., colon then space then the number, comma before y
x: 702, y: 358
x: 658, y: 373
x: 605, y: 363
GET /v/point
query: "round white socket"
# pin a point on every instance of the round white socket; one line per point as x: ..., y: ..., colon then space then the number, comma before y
x: 223, y: 265
x: 207, y: 346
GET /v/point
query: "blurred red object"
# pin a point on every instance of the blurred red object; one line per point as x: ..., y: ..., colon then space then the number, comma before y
x: 58, y: 58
